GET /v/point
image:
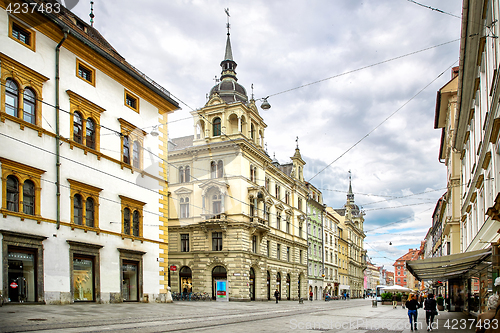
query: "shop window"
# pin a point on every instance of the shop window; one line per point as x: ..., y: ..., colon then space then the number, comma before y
x: 184, y: 242
x: 21, y: 192
x: 186, y: 279
x: 131, y: 275
x: 132, y: 101
x: 132, y: 139
x: 132, y: 216
x: 85, y: 72
x: 85, y: 208
x: 22, y: 34
x: 216, y: 241
x: 85, y: 117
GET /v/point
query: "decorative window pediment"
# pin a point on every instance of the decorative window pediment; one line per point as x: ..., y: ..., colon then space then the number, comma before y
x: 183, y: 190
x: 206, y: 185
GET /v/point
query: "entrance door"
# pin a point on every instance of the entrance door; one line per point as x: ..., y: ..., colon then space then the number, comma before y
x: 186, y: 278
x: 218, y: 273
x: 252, y: 284
x: 130, y: 281
x: 278, y: 283
x: 288, y: 286
x: 21, y: 275
x: 268, y: 286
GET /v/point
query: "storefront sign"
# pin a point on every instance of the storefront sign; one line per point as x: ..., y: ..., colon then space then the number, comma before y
x: 173, y: 268
x: 13, y: 285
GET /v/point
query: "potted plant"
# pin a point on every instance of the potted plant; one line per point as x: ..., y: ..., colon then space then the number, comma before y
x: 386, y: 298
x: 440, y: 303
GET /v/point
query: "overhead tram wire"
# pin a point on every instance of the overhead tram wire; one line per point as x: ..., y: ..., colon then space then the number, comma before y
x: 434, y: 9
x: 386, y: 119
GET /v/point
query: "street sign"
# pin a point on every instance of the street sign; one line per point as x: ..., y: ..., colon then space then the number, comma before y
x: 13, y: 285
x: 173, y: 268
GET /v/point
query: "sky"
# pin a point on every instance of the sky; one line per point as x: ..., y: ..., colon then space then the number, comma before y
x: 356, y: 81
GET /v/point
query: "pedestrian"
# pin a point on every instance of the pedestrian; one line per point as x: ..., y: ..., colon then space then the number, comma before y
x: 311, y: 295
x: 394, y: 301
x: 277, y: 295
x: 430, y: 311
x: 412, y: 306
x: 485, y: 319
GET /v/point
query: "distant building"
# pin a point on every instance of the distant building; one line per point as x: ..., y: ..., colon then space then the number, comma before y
x: 315, y: 242
x: 401, y: 275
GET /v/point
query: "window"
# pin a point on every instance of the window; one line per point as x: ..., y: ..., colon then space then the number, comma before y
x: 300, y: 231
x: 184, y: 203
x: 288, y: 253
x: 288, y: 224
x: 253, y: 173
x: 85, y: 119
x: 132, y: 139
x: 216, y: 126
x: 132, y: 101
x: 22, y: 34
x: 252, y: 210
x: 216, y: 169
x: 299, y: 204
x: 287, y: 197
x: 184, y: 242
x: 300, y: 256
x: 11, y: 98
x: 278, y: 191
x: 278, y: 220
x: 132, y: 216
x: 252, y: 132
x: 85, y: 72
x: 278, y: 251
x: 268, y: 215
x: 22, y: 187
x: 187, y: 174
x: 268, y: 248
x: 85, y: 209
x: 267, y: 184
x: 254, y: 244
x: 216, y: 241
x: 29, y: 106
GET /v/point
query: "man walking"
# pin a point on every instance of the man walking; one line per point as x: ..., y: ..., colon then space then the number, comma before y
x: 277, y: 295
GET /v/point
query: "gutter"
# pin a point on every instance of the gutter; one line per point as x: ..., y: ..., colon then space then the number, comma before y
x: 58, y: 137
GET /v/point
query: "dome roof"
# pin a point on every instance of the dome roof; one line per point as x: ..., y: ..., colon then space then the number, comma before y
x: 230, y: 91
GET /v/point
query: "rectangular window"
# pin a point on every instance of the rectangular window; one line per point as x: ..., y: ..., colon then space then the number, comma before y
x: 300, y: 257
x: 184, y: 242
x: 278, y: 251
x: 288, y: 253
x: 22, y: 34
x: 85, y: 72
x: 216, y: 241
x: 131, y: 101
x: 254, y: 244
x: 288, y: 224
x: 299, y: 205
x: 268, y: 248
x: 300, y: 231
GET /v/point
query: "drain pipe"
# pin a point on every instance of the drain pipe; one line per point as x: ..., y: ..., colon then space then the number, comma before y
x: 58, y: 162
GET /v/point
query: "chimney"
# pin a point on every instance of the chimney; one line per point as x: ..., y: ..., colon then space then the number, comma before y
x: 454, y: 72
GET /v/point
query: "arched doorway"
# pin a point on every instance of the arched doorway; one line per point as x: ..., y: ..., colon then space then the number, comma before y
x: 218, y: 273
x: 316, y: 292
x: 252, y: 284
x: 186, y: 280
x: 268, y: 286
x: 288, y: 286
x: 278, y: 283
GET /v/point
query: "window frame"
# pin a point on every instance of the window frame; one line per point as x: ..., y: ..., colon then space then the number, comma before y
x: 216, y: 127
x: 133, y: 134
x: 88, y: 68
x: 184, y: 245
x: 22, y: 173
x: 85, y: 191
x: 87, y: 110
x: 217, y: 241
x: 127, y: 95
x: 133, y: 205
x: 23, y: 28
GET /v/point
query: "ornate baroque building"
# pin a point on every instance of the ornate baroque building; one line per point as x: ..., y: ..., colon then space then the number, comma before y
x: 237, y: 217
x: 315, y: 242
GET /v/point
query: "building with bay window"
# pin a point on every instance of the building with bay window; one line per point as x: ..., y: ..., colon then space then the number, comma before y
x: 237, y: 217
x: 83, y: 208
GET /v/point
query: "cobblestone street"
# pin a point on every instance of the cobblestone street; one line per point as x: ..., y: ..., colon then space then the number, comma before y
x: 336, y: 316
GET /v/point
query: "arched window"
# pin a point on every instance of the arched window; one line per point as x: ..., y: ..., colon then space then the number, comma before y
x: 12, y: 194
x: 89, y: 212
x: 126, y: 221
x: 11, y: 97
x: 136, y: 153
x: 213, y: 169
x: 187, y: 174
x: 216, y: 127
x: 29, y: 197
x: 252, y: 132
x: 220, y: 169
x: 29, y: 106
x: 184, y: 207
x: 90, y: 135
x: 77, y: 209
x: 181, y: 174
x: 135, y: 223
x: 77, y: 127
x: 126, y: 150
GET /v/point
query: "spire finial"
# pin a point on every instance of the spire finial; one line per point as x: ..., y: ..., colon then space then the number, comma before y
x: 227, y: 25
x: 297, y: 141
x: 92, y: 14
x: 252, y: 90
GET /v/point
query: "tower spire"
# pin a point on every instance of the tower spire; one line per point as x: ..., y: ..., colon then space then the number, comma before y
x: 228, y: 65
x: 350, y: 195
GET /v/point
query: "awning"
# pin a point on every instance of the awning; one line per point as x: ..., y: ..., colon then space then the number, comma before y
x: 451, y: 266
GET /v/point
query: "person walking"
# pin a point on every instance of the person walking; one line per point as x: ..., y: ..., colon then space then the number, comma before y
x: 430, y: 311
x: 277, y: 295
x: 311, y: 295
x: 394, y: 301
x: 412, y: 306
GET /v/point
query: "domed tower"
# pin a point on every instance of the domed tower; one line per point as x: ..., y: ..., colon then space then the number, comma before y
x: 228, y: 88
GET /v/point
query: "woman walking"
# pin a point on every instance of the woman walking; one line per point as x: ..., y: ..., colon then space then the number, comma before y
x: 430, y: 311
x: 412, y: 306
